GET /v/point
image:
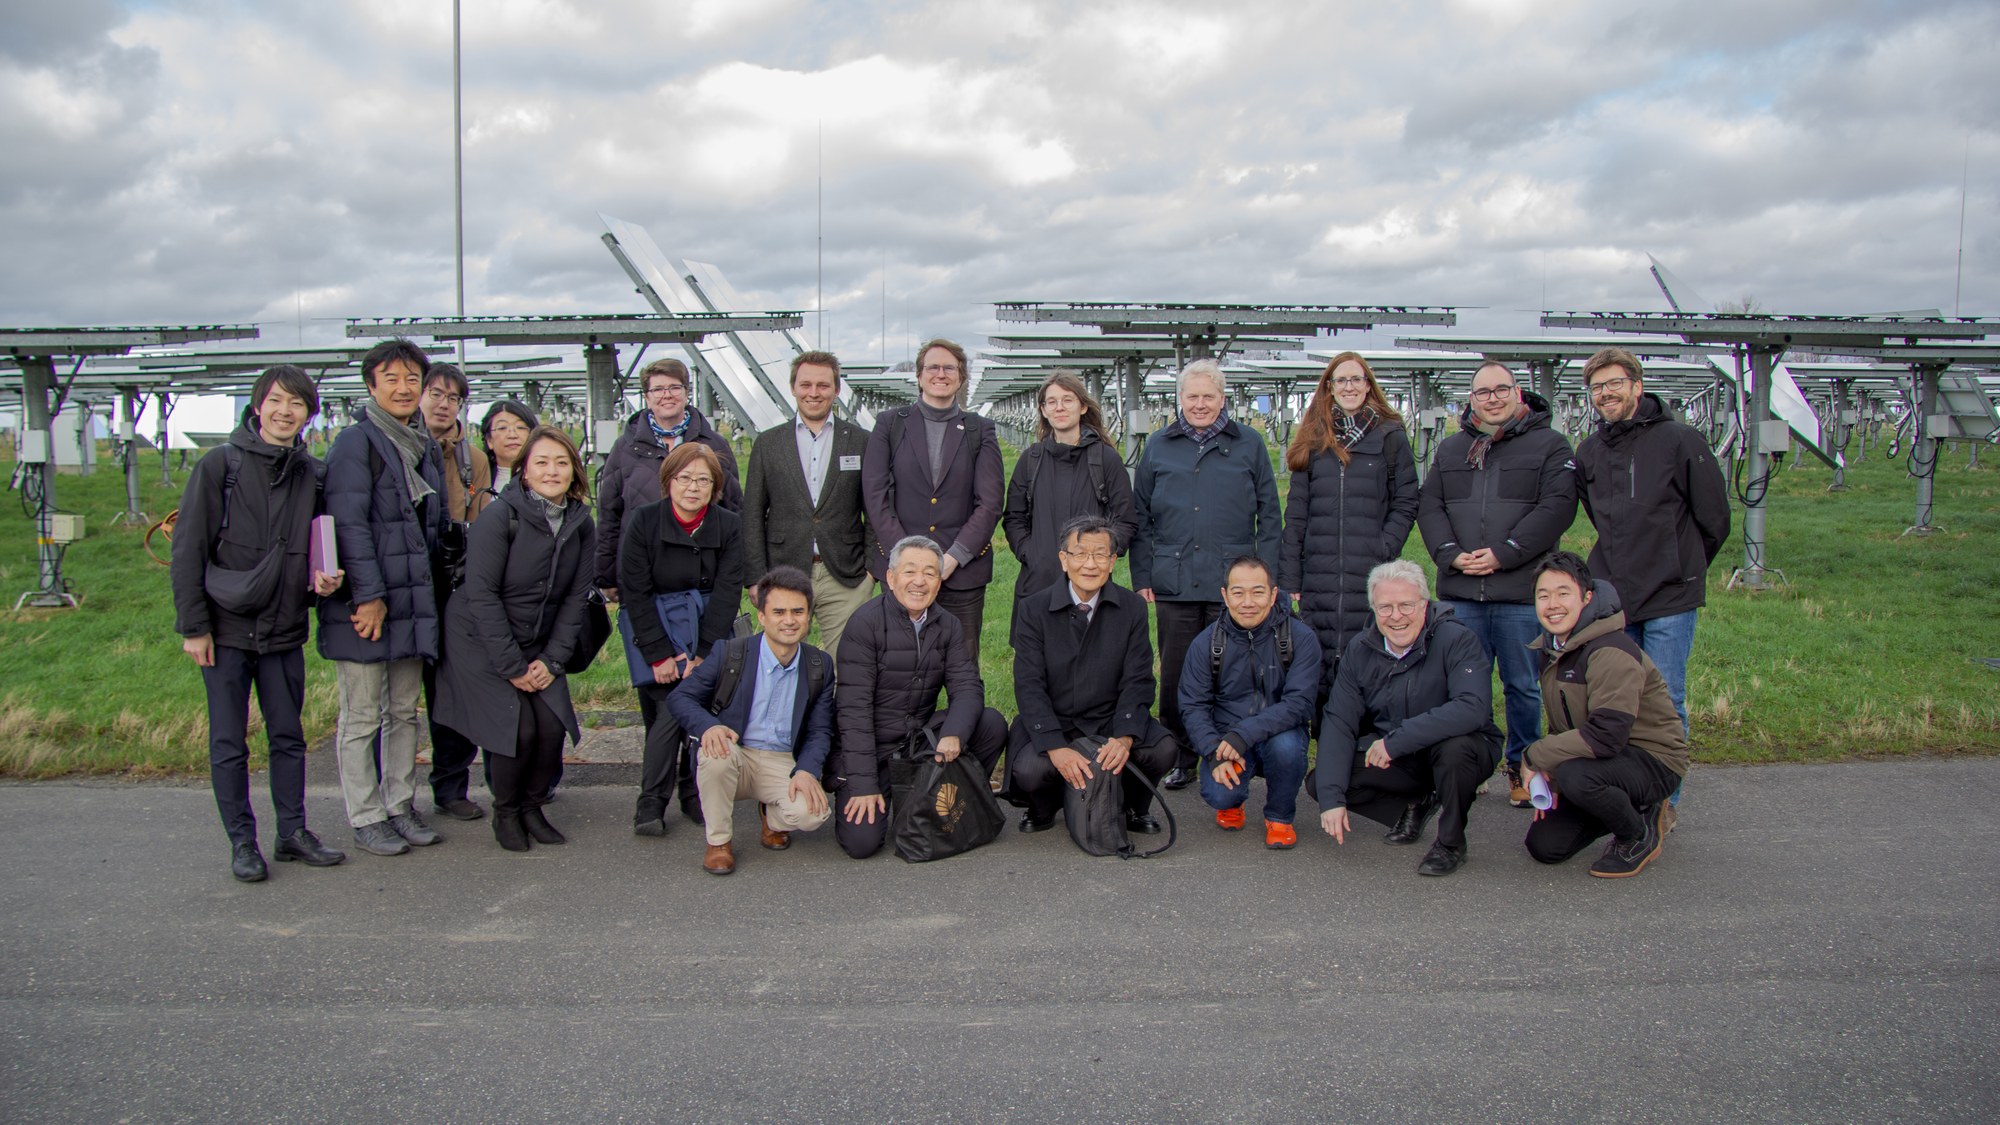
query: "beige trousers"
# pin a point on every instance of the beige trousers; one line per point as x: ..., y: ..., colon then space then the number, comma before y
x: 745, y: 773
x: 834, y: 602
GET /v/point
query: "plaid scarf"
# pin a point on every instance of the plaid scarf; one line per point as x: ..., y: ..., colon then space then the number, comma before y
x: 1349, y: 430
x: 1207, y: 433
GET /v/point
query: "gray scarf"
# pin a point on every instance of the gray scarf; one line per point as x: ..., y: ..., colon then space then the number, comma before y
x: 410, y: 444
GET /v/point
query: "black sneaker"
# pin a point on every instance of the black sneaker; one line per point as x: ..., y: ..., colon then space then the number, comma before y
x: 459, y: 808
x: 650, y: 818
x: 1409, y: 827
x: 1626, y: 858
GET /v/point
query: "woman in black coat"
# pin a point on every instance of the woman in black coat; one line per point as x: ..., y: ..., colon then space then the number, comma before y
x: 1073, y: 470
x: 248, y: 510
x: 680, y: 579
x: 512, y: 626
x: 1353, y: 501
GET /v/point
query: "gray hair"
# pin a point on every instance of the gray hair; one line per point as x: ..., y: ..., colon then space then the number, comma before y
x: 1398, y: 570
x: 913, y: 543
x: 1206, y: 369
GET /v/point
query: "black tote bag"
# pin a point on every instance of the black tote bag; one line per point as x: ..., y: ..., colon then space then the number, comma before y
x: 1095, y: 814
x: 940, y: 808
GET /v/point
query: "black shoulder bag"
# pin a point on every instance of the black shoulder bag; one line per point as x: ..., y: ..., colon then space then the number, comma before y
x: 939, y: 809
x: 1096, y: 813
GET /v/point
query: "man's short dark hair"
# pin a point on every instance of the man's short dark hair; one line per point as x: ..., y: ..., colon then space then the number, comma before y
x: 785, y: 578
x: 1086, y: 525
x: 815, y: 359
x: 1613, y: 357
x: 389, y: 351
x: 1249, y: 560
x: 440, y: 372
x: 1569, y: 563
x: 294, y: 380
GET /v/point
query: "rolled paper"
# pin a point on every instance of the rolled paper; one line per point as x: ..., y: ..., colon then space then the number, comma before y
x: 325, y: 552
x: 1538, y: 792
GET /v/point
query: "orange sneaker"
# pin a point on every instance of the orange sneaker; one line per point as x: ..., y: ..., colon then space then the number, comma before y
x: 1229, y: 820
x: 1279, y: 837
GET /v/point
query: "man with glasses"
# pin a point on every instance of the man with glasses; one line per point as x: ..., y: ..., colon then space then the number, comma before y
x: 1499, y: 496
x: 630, y: 478
x: 1408, y: 731
x: 468, y: 480
x: 1661, y: 507
x: 1083, y: 667
x: 934, y: 470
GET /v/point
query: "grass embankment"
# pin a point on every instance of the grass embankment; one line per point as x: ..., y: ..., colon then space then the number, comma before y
x: 1870, y: 651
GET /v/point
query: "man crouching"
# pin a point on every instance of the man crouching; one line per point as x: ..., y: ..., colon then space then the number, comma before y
x: 762, y: 708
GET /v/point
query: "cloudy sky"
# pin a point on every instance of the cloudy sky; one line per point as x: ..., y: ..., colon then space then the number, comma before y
x: 289, y: 163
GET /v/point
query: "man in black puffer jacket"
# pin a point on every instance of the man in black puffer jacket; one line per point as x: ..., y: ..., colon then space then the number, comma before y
x: 243, y: 502
x: 1499, y: 496
x: 630, y: 478
x: 894, y: 656
x: 385, y: 492
x: 1408, y: 730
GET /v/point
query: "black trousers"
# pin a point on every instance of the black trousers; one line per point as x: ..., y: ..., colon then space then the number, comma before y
x: 1454, y: 768
x: 1179, y: 622
x: 280, y: 681
x: 969, y: 606
x: 862, y: 840
x: 452, y: 753
x: 669, y: 760
x: 1032, y: 779
x: 523, y: 779
x: 1596, y: 796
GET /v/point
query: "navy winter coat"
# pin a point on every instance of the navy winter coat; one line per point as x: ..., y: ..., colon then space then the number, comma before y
x: 1257, y: 698
x: 1200, y: 506
x: 522, y: 601
x: 1341, y: 521
x: 385, y: 545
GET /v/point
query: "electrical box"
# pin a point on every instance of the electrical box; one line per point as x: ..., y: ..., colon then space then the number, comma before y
x: 608, y: 432
x: 64, y: 528
x: 1433, y: 416
x: 124, y: 426
x: 1138, y: 422
x: 1847, y: 417
x: 1938, y: 426
x: 1774, y: 436
x: 34, y: 447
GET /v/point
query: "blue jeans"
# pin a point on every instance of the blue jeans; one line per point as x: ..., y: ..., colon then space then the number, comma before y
x: 1667, y: 642
x: 1505, y: 628
x: 1280, y: 760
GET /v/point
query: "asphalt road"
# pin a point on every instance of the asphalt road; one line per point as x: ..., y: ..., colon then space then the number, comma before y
x: 1817, y: 943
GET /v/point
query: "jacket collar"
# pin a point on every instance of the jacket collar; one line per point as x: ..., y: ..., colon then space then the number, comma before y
x: 1057, y: 598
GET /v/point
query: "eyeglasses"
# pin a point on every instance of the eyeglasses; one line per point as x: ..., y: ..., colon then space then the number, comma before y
x: 1488, y: 394
x: 1090, y: 556
x: 695, y: 482
x: 666, y: 390
x: 940, y: 368
x: 1351, y: 381
x: 450, y: 397
x: 1397, y: 609
x: 1614, y: 385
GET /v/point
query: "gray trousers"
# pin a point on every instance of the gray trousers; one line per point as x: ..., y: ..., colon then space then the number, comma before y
x: 378, y: 697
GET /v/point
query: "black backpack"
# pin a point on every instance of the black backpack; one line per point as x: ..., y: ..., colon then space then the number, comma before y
x: 1215, y: 645
x: 737, y: 652
x: 1095, y: 814
x: 1031, y: 466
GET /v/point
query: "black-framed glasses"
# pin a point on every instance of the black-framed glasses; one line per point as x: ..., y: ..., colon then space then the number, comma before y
x: 1614, y: 385
x: 1488, y: 394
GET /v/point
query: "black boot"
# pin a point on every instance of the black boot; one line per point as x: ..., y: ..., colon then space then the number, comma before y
x: 539, y: 827
x: 507, y: 829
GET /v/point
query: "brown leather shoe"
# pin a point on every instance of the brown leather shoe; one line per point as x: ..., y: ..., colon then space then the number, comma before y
x: 776, y: 841
x: 719, y: 859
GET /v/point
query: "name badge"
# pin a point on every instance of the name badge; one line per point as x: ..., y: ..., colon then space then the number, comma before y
x: 850, y: 463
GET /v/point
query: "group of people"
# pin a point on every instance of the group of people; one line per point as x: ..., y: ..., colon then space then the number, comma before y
x: 1276, y: 628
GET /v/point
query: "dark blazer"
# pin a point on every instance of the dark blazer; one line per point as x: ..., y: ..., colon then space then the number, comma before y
x: 277, y: 494
x: 657, y: 557
x: 1069, y: 681
x: 889, y: 679
x: 780, y: 523
x: 385, y: 543
x: 959, y: 509
x: 812, y: 714
x: 630, y: 480
x: 522, y: 601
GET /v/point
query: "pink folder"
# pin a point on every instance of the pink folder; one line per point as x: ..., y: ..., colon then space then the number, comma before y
x: 325, y: 553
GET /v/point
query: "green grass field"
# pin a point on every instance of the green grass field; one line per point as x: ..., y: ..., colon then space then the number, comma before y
x: 1871, y: 651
